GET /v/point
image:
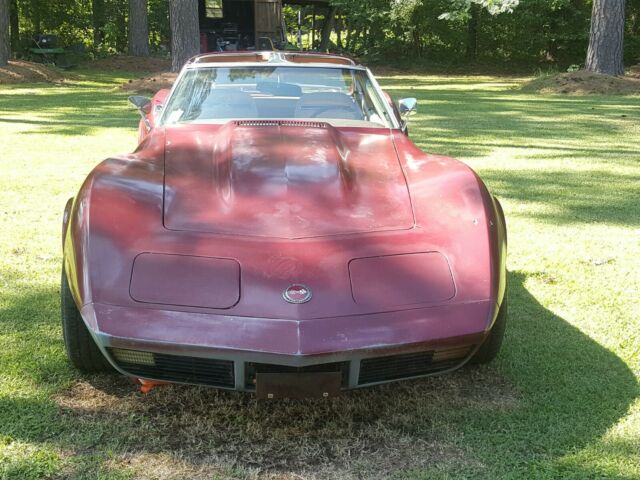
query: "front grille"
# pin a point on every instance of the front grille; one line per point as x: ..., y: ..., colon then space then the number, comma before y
x: 175, y: 368
x: 252, y: 369
x: 394, y: 367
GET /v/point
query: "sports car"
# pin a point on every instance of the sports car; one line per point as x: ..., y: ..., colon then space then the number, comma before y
x: 277, y: 232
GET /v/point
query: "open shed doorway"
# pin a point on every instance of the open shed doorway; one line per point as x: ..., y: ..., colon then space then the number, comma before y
x: 228, y: 25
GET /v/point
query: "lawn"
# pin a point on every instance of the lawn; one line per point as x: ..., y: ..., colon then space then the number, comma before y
x: 561, y: 401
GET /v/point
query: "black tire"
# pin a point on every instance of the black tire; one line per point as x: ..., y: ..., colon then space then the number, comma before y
x: 491, y: 345
x: 81, y: 349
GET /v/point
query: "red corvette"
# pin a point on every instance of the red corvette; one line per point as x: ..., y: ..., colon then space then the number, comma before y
x: 277, y: 232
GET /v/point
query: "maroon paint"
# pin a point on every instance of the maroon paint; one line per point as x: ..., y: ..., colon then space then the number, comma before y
x: 372, y: 284
x: 214, y: 282
x: 283, y: 181
x: 288, y: 205
x: 157, y: 102
x: 202, y: 332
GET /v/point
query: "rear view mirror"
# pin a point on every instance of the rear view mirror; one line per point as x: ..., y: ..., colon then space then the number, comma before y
x: 408, y: 106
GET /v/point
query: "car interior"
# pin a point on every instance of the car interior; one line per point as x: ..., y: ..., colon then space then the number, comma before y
x: 278, y: 101
x: 219, y: 94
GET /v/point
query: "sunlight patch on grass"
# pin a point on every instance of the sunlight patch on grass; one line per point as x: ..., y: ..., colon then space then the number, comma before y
x: 27, y: 461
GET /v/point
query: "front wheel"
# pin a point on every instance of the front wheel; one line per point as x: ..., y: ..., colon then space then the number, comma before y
x: 81, y: 349
x: 491, y: 345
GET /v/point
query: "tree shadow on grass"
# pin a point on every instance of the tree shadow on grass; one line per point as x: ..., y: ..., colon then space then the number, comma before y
x: 457, y: 122
x: 566, y: 197
x: 68, y: 111
x: 552, y: 392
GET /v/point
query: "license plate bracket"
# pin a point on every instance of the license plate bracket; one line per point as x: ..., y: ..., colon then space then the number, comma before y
x: 298, y: 385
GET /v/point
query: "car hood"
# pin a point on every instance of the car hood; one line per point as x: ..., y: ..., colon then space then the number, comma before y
x: 283, y: 179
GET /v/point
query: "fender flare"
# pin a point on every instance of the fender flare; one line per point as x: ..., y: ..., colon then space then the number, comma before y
x: 65, y: 218
x: 501, y: 230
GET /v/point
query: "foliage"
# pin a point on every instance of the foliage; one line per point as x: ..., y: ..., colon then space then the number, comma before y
x: 159, y: 24
x: 72, y: 21
x: 539, y: 31
x: 461, y: 8
x: 529, y: 33
x: 532, y: 32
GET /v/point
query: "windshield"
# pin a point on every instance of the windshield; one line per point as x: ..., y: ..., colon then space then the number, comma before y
x: 215, y: 95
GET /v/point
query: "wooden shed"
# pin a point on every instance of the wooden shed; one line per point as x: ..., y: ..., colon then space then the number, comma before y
x: 240, y: 24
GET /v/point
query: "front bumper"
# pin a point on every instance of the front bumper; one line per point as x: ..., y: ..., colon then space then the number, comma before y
x: 227, y: 351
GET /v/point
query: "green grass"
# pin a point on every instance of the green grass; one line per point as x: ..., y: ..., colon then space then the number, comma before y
x: 561, y: 401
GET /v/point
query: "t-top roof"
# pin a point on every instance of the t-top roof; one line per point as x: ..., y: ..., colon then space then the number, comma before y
x: 271, y: 57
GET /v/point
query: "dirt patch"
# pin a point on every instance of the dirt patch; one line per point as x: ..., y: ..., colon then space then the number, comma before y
x: 130, y: 64
x: 376, y: 433
x: 152, y: 83
x: 19, y: 71
x: 106, y: 395
x: 586, y: 83
x: 166, y: 466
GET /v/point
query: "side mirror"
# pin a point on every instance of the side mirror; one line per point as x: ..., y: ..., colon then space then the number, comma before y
x: 141, y: 103
x: 408, y: 106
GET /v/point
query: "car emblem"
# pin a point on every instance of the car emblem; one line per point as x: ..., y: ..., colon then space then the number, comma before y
x: 297, y: 293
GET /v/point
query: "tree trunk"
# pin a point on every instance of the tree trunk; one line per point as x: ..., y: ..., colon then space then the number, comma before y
x: 605, y: 54
x: 185, y: 31
x: 472, y: 31
x: 313, y: 28
x: 416, y: 42
x: 5, y: 38
x: 35, y: 14
x: 120, y: 20
x: 339, y: 25
x: 15, y: 25
x: 327, y: 27
x: 138, y: 28
x: 97, y: 17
